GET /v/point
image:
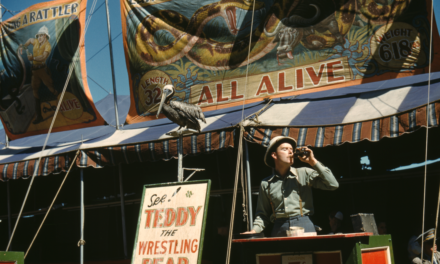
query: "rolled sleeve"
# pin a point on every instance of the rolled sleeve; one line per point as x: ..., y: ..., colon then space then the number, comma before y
x: 263, y: 211
x: 322, y: 178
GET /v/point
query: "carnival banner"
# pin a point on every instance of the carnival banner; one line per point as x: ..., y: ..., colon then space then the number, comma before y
x: 37, y: 46
x: 171, y: 224
x: 219, y: 53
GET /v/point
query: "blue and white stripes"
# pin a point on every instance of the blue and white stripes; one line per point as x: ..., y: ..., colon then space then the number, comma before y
x: 356, y: 135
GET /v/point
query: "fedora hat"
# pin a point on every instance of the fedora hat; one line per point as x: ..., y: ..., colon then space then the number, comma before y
x: 273, y: 144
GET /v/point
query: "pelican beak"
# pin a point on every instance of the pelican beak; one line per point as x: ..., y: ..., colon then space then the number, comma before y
x: 162, y: 101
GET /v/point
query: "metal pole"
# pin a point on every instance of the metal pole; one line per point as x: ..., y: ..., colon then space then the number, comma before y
x: 9, y: 210
x: 6, y: 136
x: 121, y: 193
x: 248, y: 176
x: 180, y: 158
x: 112, y: 66
x: 82, y: 218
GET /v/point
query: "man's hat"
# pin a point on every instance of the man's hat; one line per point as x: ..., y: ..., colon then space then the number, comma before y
x: 273, y: 144
x: 428, y: 235
x: 43, y: 30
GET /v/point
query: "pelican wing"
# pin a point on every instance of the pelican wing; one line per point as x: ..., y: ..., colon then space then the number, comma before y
x: 191, y: 111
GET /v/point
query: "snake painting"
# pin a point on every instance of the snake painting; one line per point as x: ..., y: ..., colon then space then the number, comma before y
x: 190, y: 40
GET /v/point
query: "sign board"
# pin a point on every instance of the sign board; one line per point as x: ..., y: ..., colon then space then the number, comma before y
x: 297, y: 259
x: 171, y: 223
x: 38, y: 47
x: 11, y: 257
x: 218, y: 54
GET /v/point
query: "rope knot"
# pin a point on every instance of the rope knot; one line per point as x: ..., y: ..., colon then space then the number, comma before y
x: 81, y: 242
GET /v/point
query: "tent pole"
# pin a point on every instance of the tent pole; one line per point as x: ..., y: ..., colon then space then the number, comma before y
x: 6, y: 141
x: 112, y: 66
x: 9, y: 210
x: 180, y: 157
x: 248, y: 175
x: 81, y: 243
x: 121, y: 193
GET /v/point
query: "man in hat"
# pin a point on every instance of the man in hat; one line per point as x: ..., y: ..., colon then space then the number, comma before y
x: 429, y: 249
x: 286, y: 196
x: 40, y: 73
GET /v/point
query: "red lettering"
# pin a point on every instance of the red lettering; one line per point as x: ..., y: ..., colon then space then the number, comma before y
x: 170, y: 261
x: 156, y: 246
x: 220, y: 97
x: 183, y: 260
x: 150, y: 248
x: 187, y: 246
x: 194, y: 214
x: 77, y: 105
x: 205, y: 96
x: 170, y: 217
x: 171, y: 245
x: 163, y: 247
x: 194, y: 247
x: 234, y: 95
x: 147, y: 261
x: 299, y: 79
x: 267, y: 83
x: 181, y: 245
x: 165, y: 81
x: 62, y: 107
x: 157, y: 216
x: 149, y: 213
x: 70, y: 103
x: 66, y: 106
x: 157, y: 260
x: 151, y: 80
x: 182, y: 216
x: 177, y: 243
x: 142, y: 246
x: 316, y: 78
x: 282, y: 82
x: 331, y: 68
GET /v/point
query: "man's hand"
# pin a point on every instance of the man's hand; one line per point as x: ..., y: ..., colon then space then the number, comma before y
x: 249, y: 232
x: 310, y: 159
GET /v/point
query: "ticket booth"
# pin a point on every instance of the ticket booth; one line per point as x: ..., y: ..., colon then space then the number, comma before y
x: 354, y: 248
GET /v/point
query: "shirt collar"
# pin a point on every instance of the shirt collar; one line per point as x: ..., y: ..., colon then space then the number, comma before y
x: 292, y: 175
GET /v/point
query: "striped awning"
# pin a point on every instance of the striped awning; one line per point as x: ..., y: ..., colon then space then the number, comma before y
x: 350, y: 115
x: 25, y: 169
x: 156, y: 150
x: 372, y: 130
x: 146, y: 141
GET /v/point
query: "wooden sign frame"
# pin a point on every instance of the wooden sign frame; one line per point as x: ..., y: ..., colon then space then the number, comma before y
x: 11, y: 257
x: 176, y: 190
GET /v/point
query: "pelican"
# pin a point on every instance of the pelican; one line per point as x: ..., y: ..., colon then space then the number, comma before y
x: 181, y: 113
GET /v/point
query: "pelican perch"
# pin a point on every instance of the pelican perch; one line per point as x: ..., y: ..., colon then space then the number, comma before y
x: 181, y: 113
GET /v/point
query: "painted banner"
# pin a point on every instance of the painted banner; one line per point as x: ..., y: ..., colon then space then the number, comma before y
x: 171, y: 224
x: 37, y: 46
x: 219, y: 53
